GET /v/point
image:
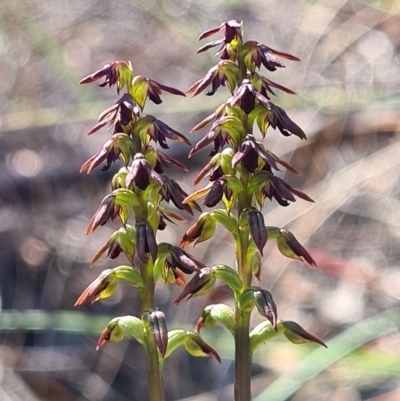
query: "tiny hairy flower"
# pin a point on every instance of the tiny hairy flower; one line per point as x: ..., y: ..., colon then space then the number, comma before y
x: 201, y: 284
x: 233, y: 31
x: 158, y: 131
x: 202, y: 230
x: 297, y: 335
x: 177, y: 258
x: 171, y: 191
x: 290, y: 247
x: 108, y: 208
x: 103, y: 287
x: 145, y: 241
x: 122, y: 240
x: 225, y: 73
x: 143, y: 88
x: 116, y: 72
x: 118, y: 147
x: 119, y: 115
x: 254, y: 54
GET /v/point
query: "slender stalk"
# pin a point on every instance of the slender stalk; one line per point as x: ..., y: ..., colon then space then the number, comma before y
x: 154, y: 371
x: 242, y: 357
x: 242, y: 319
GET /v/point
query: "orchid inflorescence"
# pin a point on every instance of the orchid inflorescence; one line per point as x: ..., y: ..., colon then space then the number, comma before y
x: 241, y: 174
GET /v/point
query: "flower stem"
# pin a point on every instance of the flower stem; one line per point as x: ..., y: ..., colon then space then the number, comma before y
x: 242, y: 318
x: 242, y: 357
x: 154, y: 373
x: 154, y: 368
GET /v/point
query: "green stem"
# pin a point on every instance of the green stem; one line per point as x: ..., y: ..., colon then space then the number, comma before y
x: 154, y: 368
x: 242, y: 357
x: 242, y: 319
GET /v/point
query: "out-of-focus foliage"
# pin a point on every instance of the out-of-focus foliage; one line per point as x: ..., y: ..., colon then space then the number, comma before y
x: 348, y: 94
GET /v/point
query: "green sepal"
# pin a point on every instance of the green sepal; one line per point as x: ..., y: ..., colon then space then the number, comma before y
x: 119, y: 179
x: 176, y: 338
x: 262, y: 333
x: 246, y: 300
x: 229, y: 276
x: 139, y: 90
x: 258, y: 111
x: 125, y: 71
x: 152, y: 216
x: 127, y: 196
x: 233, y: 126
x: 229, y: 221
x: 131, y: 275
x: 273, y: 232
x: 235, y: 111
x: 226, y: 161
x: 218, y: 313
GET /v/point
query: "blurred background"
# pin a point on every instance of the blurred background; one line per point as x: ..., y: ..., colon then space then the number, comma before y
x: 347, y: 102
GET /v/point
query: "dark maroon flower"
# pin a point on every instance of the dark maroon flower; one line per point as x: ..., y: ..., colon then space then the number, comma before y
x: 177, y: 258
x: 171, y: 191
x: 120, y: 114
x: 141, y: 172
x: 116, y: 72
x: 107, y: 209
x: 118, y: 147
x: 254, y: 54
x: 232, y: 32
x: 264, y: 85
x: 225, y: 73
x: 278, y: 118
x: 122, y: 240
x: 201, y: 284
x: 275, y: 187
x: 143, y: 88
x: 158, y: 131
x: 164, y: 160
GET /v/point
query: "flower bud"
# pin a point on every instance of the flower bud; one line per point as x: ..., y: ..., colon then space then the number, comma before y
x: 266, y: 306
x: 158, y: 327
x: 257, y: 228
x: 145, y: 241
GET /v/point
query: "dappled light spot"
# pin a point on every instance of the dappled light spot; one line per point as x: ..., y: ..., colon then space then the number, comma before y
x: 26, y: 162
